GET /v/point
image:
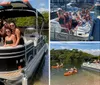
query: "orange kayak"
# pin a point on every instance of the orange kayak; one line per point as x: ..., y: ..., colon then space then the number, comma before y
x: 56, y: 66
x: 70, y: 73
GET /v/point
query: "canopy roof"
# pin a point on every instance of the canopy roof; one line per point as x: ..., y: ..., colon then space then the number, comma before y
x: 17, y: 9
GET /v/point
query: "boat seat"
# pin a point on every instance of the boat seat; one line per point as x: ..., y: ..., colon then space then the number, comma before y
x: 28, y: 42
x: 24, y: 38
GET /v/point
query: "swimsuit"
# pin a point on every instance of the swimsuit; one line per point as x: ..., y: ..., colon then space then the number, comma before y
x: 9, y: 42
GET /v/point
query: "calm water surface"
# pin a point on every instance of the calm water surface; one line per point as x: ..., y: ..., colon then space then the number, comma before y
x: 83, y: 77
x: 42, y: 76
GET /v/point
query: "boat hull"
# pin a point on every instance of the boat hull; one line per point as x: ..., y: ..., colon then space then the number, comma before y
x: 91, y: 67
x: 30, y: 67
x: 66, y: 37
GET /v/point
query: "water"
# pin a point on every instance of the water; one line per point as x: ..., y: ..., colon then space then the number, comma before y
x: 83, y: 77
x: 42, y: 78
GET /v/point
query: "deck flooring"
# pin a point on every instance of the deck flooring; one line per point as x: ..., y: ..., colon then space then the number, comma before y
x: 11, y: 75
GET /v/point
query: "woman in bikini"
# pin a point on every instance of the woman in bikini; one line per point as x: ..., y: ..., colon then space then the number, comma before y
x: 10, y: 39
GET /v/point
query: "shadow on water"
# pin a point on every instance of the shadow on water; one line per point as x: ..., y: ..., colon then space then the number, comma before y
x: 40, y: 73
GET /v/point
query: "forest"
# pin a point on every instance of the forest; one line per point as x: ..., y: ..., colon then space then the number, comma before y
x: 31, y: 21
x: 66, y: 56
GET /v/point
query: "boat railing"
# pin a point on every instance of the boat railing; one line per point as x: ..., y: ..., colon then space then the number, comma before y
x: 40, y: 44
x: 32, y: 47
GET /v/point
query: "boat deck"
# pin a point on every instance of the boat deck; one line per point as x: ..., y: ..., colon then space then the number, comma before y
x: 13, y: 75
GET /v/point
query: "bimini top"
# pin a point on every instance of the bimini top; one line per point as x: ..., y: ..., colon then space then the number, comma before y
x: 17, y: 9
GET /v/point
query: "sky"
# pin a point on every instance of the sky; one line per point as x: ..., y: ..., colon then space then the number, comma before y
x: 92, y: 48
x: 41, y: 5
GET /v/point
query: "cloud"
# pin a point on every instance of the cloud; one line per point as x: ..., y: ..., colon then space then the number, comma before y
x: 8, y: 0
x: 43, y: 9
x: 62, y: 47
x: 42, y: 4
x: 4, y: 0
x: 92, y: 51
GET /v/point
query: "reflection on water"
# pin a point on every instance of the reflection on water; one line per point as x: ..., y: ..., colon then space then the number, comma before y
x: 83, y: 77
x: 42, y: 76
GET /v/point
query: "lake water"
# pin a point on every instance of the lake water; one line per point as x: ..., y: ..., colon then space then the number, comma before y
x: 42, y: 78
x: 83, y: 77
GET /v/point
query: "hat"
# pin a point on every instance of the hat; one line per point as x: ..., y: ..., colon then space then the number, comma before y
x: 59, y: 8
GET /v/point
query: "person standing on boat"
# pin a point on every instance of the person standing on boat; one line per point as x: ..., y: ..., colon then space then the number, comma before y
x: 17, y: 33
x: 61, y: 18
x: 95, y: 31
x: 10, y: 39
x: 67, y: 25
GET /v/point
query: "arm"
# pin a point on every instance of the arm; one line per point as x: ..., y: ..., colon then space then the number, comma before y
x: 17, y: 33
x: 92, y: 8
x: 14, y: 40
x: 58, y: 14
x: 5, y: 42
x: 2, y: 31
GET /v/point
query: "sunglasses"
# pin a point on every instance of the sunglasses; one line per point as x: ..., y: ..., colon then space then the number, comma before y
x: 7, y: 31
x: 11, y: 25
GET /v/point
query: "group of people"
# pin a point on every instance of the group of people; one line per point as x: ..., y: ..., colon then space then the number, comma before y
x: 10, y: 34
x: 59, y: 65
x: 71, y: 20
x: 72, y: 69
x: 96, y: 61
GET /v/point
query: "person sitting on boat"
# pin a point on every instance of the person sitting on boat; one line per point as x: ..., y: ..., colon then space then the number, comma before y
x: 87, y: 11
x: 3, y: 29
x: 88, y: 19
x: 79, y: 25
x: 67, y: 20
x: 83, y: 19
x: 70, y: 19
x: 83, y: 13
x: 74, y: 22
x: 95, y: 61
x: 17, y: 33
x: 98, y: 61
x: 10, y: 39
